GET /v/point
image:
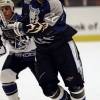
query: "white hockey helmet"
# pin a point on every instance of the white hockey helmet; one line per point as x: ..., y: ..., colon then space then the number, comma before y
x: 7, y: 3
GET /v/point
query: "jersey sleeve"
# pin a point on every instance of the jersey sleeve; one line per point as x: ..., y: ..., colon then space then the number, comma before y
x: 55, y: 13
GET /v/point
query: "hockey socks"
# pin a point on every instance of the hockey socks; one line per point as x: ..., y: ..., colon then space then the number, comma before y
x: 60, y: 94
x: 78, y: 95
x: 10, y: 90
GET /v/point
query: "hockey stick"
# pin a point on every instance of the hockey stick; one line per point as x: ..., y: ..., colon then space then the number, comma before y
x: 3, y: 48
x: 3, y: 19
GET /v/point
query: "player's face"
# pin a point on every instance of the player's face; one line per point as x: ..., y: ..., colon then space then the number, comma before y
x: 7, y: 11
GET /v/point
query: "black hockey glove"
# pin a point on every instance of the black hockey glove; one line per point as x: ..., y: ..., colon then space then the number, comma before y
x: 36, y: 28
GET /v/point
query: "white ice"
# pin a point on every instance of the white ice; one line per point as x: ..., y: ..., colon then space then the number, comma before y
x: 90, y: 55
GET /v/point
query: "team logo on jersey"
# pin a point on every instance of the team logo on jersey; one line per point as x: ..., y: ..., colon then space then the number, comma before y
x: 34, y: 14
x: 19, y: 43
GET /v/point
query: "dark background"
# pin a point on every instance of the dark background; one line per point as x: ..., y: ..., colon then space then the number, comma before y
x: 17, y: 3
x: 69, y: 3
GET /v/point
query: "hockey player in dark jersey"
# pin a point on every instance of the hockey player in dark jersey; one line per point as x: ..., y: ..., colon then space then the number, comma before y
x: 56, y: 50
x: 21, y: 50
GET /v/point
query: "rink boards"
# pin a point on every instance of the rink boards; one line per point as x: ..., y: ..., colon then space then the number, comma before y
x: 86, y: 38
x: 86, y: 20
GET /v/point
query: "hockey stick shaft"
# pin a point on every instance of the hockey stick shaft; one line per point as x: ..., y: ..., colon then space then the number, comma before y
x: 3, y: 18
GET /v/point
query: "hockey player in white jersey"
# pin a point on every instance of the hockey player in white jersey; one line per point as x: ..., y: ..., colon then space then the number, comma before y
x: 21, y: 49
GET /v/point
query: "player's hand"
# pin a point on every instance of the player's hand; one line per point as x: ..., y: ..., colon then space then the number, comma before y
x: 17, y: 28
x: 45, y: 26
x: 13, y: 30
x: 34, y: 27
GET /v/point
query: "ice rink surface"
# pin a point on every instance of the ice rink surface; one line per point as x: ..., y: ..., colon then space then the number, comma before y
x: 90, y: 55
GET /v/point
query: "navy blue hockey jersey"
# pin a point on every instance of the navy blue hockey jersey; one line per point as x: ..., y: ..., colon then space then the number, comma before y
x: 51, y: 12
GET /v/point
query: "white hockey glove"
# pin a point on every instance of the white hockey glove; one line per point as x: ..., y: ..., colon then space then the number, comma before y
x: 17, y: 28
x: 36, y: 28
x: 13, y: 30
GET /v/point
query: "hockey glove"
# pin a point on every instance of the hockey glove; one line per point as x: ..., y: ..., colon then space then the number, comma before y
x: 45, y: 26
x: 17, y: 28
x: 36, y: 28
x: 13, y: 30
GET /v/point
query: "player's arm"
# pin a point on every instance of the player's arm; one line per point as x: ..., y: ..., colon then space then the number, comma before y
x: 25, y: 12
x: 56, y: 12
